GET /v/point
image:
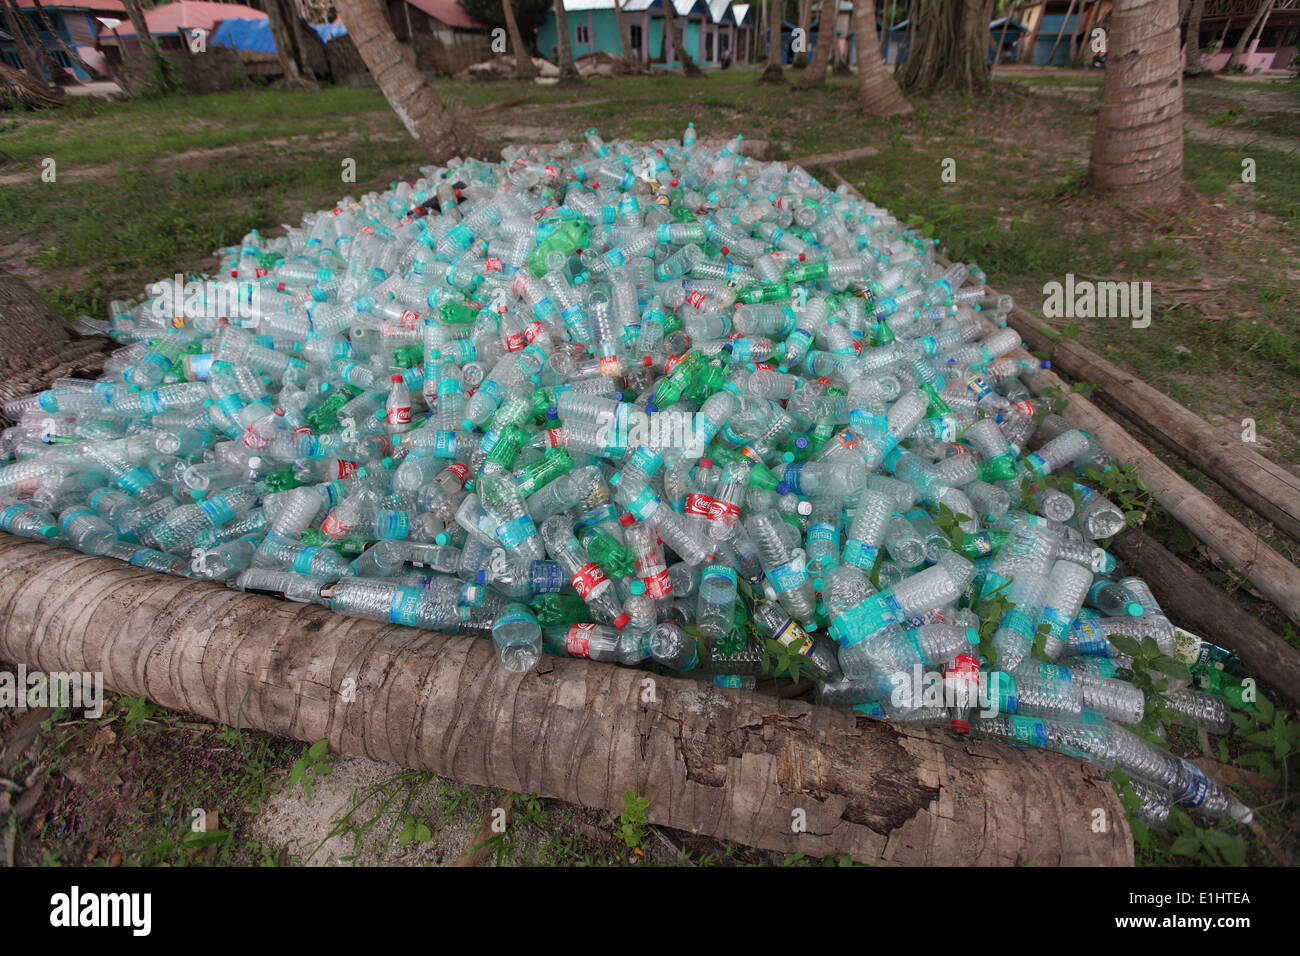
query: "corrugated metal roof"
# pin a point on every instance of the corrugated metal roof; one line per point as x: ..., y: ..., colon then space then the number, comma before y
x: 450, y: 12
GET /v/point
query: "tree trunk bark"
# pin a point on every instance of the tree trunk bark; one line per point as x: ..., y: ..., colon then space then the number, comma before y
x: 39, y: 346
x: 525, y: 68
x: 569, y: 74
x: 1137, y: 152
x: 772, y: 73
x: 286, y: 47
x: 1065, y: 25
x: 67, y: 49
x: 1234, y: 61
x: 166, y: 79
x: 433, y: 126
x: 621, y: 24
x: 26, y: 52
x: 950, y: 51
x: 815, y: 74
x: 776, y: 774
x: 877, y: 91
x: 689, y: 66
x: 1194, y: 67
x: 800, y: 59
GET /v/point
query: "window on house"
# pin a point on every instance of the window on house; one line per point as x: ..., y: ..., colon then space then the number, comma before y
x: 636, y: 37
x: 583, y: 35
x: 708, y: 48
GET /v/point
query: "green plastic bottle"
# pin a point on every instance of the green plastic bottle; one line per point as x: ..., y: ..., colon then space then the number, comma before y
x: 557, y: 610
x: 537, y: 474
x: 616, y: 560
x: 564, y: 241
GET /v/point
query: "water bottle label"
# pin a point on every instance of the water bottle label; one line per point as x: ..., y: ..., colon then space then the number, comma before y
x: 791, y: 477
x: 859, y: 554
x: 516, y: 531
x: 304, y: 557
x: 72, y: 516
x: 589, y: 580
x: 1090, y: 638
x: 719, y: 571
x: 1028, y: 730
x: 1106, y: 668
x: 871, y: 708
x: 786, y: 577
x: 733, y: 681
x: 393, y: 524
x: 577, y: 643
x: 1057, y: 621
x: 1018, y: 622
x: 405, y: 605
x: 218, y: 510
x: 492, y: 390
x: 444, y: 443
x: 547, y: 577
x: 1037, y: 465
x: 9, y: 514
x: 824, y: 533
x: 1001, y: 693
x: 977, y: 387
x: 647, y: 459
x: 863, y: 620
x: 1198, y: 786
x: 644, y: 504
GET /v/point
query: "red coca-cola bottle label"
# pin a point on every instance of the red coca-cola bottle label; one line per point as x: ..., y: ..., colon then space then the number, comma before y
x: 587, y: 579
x: 532, y: 330
x: 659, y: 585
x: 577, y: 643
x: 347, y: 469
x: 515, y: 341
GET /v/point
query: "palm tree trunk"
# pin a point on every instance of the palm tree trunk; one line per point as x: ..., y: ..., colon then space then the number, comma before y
x: 815, y: 74
x: 800, y: 59
x: 525, y: 68
x: 1194, y: 67
x: 26, y: 52
x: 622, y: 29
x: 778, y: 774
x: 166, y: 78
x: 877, y: 91
x: 569, y: 74
x: 433, y: 126
x: 286, y: 46
x: 67, y: 48
x: 1234, y: 61
x: 1137, y: 152
x: 689, y: 66
x: 772, y: 73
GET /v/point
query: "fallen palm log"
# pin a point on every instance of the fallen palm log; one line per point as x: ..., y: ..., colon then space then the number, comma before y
x: 1211, y: 613
x: 1247, y: 554
x: 37, y: 345
x: 1265, y: 486
x: 776, y: 774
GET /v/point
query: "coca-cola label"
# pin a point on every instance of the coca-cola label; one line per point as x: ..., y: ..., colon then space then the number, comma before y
x: 409, y: 319
x: 609, y: 365
x: 515, y: 341
x: 532, y: 330
x: 492, y: 264
x: 255, y: 441
x: 399, y: 415
x: 697, y: 299
x: 699, y: 504
x: 460, y: 471
x: 346, y: 469
x: 658, y: 585
x: 332, y: 527
x: 577, y: 643
x: 587, y: 579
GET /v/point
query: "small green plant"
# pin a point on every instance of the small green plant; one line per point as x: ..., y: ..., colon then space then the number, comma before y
x: 414, y: 831
x: 1150, y: 673
x: 138, y: 710
x: 632, y: 821
x: 310, y: 767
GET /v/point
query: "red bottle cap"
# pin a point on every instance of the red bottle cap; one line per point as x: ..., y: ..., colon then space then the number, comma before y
x: 620, y: 622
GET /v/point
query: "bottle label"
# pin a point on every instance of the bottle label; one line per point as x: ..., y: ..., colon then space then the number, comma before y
x: 303, y: 558
x: 515, y: 341
x: 647, y: 459
x: 719, y: 571
x: 547, y: 576
x: 825, y: 533
x: 790, y: 635
x: 644, y: 504
x: 1057, y: 621
x: 786, y: 577
x: 72, y: 516
x: 393, y: 524
x: 859, y: 554
x: 9, y: 514
x: 863, y: 620
x: 532, y: 330
x: 1027, y: 730
x: 346, y: 469
x: 589, y: 580
x: 516, y: 531
x: 1090, y: 638
x: 399, y: 415
x: 444, y: 443
x: 218, y: 510
x: 333, y: 527
x: 698, y: 503
x: 658, y: 585
x: 405, y: 605
x: 1198, y: 786
x: 577, y: 643
x: 459, y: 470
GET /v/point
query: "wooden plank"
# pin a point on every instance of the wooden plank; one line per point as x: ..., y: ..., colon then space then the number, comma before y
x: 1267, y: 487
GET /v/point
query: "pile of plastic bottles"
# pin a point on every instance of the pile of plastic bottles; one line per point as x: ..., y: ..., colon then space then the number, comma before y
x: 654, y: 404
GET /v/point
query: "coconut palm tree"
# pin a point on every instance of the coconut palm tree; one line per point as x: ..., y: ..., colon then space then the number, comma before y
x: 525, y: 68
x: 440, y: 134
x: 815, y: 74
x: 678, y: 40
x: 1194, y: 67
x: 877, y: 91
x: 1137, y: 151
x: 568, y: 69
x: 772, y: 73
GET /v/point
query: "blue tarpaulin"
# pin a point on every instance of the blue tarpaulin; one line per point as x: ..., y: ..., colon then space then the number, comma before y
x: 254, y: 35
